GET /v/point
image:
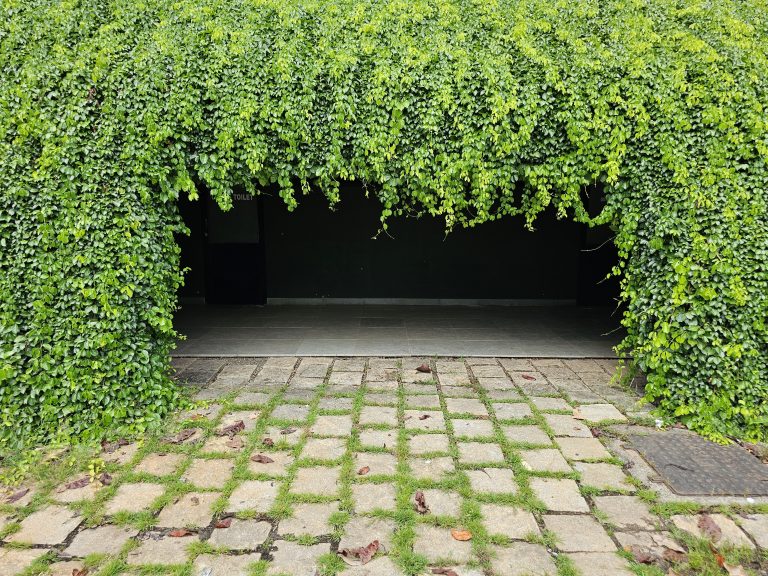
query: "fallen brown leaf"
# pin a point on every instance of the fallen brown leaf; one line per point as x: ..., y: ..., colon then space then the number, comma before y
x: 420, y: 503
x: 364, y: 470
x: 195, y: 501
x: 105, y: 478
x: 288, y: 430
x: 577, y: 414
x: 224, y: 523
x: 232, y: 429
x: 424, y: 416
x: 528, y: 377
x: 181, y: 436
x: 179, y: 533
x: 109, y: 447
x: 235, y: 443
x: 709, y: 527
x: 268, y: 442
x: 261, y: 459
x: 424, y: 369
x: 641, y: 555
x: 18, y: 495
x: 461, y: 535
x: 364, y: 553
x: 719, y: 558
x: 81, y: 483
x: 674, y: 556
x: 444, y: 571
x: 80, y: 572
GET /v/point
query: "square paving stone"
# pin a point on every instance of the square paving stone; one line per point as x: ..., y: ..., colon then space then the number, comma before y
x: 600, y: 564
x: 381, y: 566
x: 603, y: 476
x: 504, y: 395
x: 508, y: 521
x: 427, y: 420
x: 316, y: 480
x: 381, y: 399
x: 258, y: 495
x: 164, y: 550
x: 527, y: 435
x: 498, y: 385
x: 61, y: 568
x: 489, y: 371
x: 563, y: 425
x: 349, y: 365
x: 516, y: 364
x: 312, y: 370
x: 225, y: 565
x: 134, y: 497
x: 15, y: 561
x: 730, y: 532
x: 223, y: 444
x: 324, y: 448
x: 472, y: 428
x: 369, y: 497
x: 466, y: 406
x: 107, y: 539
x: 247, y: 417
x: 547, y: 403
x: 493, y: 480
x: 335, y: 403
x: 160, y: 464
x: 121, y: 455
x: 432, y: 468
x: 598, y: 412
x: 296, y: 559
x: 378, y: 463
x: 296, y: 393
x: 332, y: 426
x: 312, y: 519
x: 756, y: 525
x: 378, y: 415
x: 544, y: 460
x: 51, y: 525
x: 512, y: 410
x: 213, y: 473
x: 346, y: 378
x: 279, y: 362
x: 582, y: 448
x: 422, y: 388
x: 423, y: 401
x: 579, y: 533
x: 452, y: 366
x: 308, y: 386
x: 480, y: 453
x: 458, y: 392
x: 192, y: 510
x: 454, y: 379
x: 292, y: 412
x: 289, y: 436
x: 241, y: 534
x: 361, y: 531
x: 626, y: 512
x: 523, y: 559
x: 426, y: 443
x: 280, y: 461
x: 442, y: 502
x: 649, y: 541
x: 253, y: 398
x: 386, y: 439
x: 437, y: 544
x: 559, y: 495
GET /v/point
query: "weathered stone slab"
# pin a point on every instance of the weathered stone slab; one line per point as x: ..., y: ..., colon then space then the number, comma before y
x: 582, y: 448
x: 559, y: 495
x: 134, y: 497
x: 544, y: 460
x: 466, y: 406
x: 378, y: 439
x: 163, y: 550
x: 209, y: 473
x: 603, y: 476
x: 108, y: 539
x: 429, y: 420
x: 600, y: 564
x: 324, y: 448
x: 431, y: 468
x: 332, y: 426
x: 223, y: 565
x: 511, y: 410
x: 160, y: 464
x: 527, y: 435
x: 361, y: 531
x: 426, y: 443
x: 563, y: 425
x: 523, y: 559
x: 280, y: 461
x: 480, y: 453
x: 381, y: 566
x: 579, y: 533
x: 547, y: 403
x: 442, y: 502
x: 312, y: 519
x: 437, y: 544
x: 316, y: 480
x: 15, y: 561
x: 293, y: 558
x: 377, y: 463
x: 756, y: 525
x: 730, y: 532
x: 241, y: 535
x: 472, y: 428
x: 191, y: 510
x: 369, y: 497
x: 598, y: 413
x: 626, y: 512
x: 493, y: 480
x: 508, y: 521
x: 290, y: 412
x: 258, y: 495
x: 378, y: 415
x: 48, y: 526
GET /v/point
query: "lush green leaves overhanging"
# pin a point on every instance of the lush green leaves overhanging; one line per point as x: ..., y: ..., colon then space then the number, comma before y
x: 469, y: 110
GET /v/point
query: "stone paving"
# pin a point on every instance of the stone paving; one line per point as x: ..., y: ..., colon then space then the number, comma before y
x: 287, y: 462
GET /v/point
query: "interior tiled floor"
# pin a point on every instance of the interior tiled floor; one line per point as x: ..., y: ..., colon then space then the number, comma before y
x: 349, y: 330
x: 287, y: 462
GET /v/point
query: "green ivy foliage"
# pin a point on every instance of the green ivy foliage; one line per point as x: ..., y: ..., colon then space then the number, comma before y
x: 468, y: 110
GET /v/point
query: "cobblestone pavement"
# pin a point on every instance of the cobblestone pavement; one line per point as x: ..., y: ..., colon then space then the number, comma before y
x: 287, y: 462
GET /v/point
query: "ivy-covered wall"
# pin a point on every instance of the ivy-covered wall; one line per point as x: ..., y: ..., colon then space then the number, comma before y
x: 110, y: 110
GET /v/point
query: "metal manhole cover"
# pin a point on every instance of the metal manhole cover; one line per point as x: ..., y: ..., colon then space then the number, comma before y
x: 693, y: 466
x: 380, y: 322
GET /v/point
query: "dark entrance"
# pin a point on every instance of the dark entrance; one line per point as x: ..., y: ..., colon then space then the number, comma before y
x: 225, y: 251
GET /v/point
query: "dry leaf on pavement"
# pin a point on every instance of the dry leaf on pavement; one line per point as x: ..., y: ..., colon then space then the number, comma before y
x: 461, y: 535
x: 364, y: 470
x: 424, y: 369
x: 261, y: 459
x: 420, y: 503
x: 362, y: 555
